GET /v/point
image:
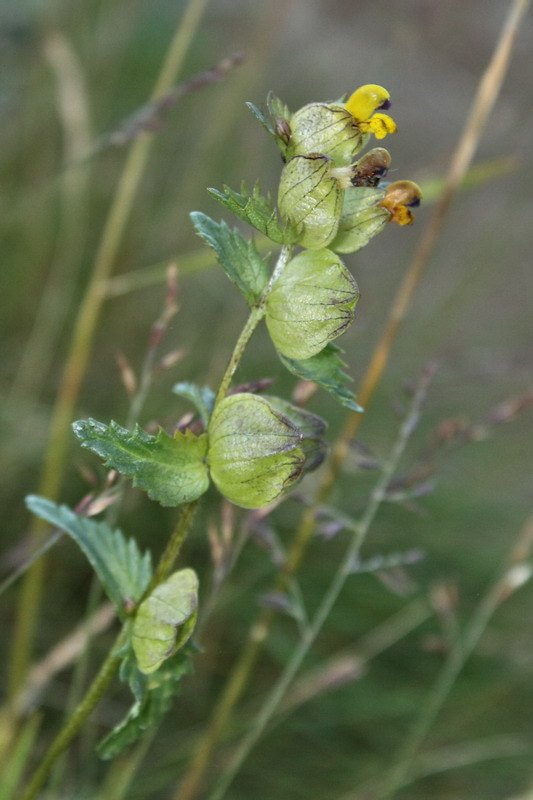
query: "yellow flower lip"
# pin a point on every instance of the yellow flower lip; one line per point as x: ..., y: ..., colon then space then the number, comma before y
x: 399, y: 198
x: 366, y: 100
x: 365, y: 105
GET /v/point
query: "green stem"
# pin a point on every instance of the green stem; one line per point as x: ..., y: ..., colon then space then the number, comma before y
x: 359, y: 530
x: 64, y: 738
x: 256, y: 315
x: 171, y: 552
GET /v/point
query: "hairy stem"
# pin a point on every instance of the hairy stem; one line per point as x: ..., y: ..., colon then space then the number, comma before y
x: 256, y: 315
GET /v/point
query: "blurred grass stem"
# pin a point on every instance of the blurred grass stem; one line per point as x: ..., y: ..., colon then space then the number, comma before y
x: 359, y: 530
x: 462, y: 649
x: 485, y: 98
x: 80, y: 346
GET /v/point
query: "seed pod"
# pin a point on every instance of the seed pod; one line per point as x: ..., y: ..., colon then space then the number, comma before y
x: 310, y: 199
x: 326, y: 128
x: 255, y: 451
x: 310, y: 304
x: 165, y: 620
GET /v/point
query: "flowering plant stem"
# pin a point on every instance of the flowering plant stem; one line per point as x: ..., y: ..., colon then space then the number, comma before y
x: 161, y: 572
x: 256, y: 315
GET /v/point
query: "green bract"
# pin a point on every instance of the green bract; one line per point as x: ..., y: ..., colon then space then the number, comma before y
x: 310, y: 200
x: 362, y: 218
x: 256, y: 452
x: 310, y: 304
x: 165, y: 620
x: 329, y: 129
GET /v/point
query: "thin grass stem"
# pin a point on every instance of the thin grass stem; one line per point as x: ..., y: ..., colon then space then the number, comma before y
x: 344, y: 570
x: 77, y: 359
x: 462, y: 649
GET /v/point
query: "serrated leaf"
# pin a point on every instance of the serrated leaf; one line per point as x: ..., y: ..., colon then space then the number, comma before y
x: 277, y: 108
x: 202, y: 397
x: 258, y: 211
x: 121, y: 568
x: 171, y: 469
x: 327, y: 370
x: 238, y: 258
x: 165, y: 620
x: 277, y: 123
x: 260, y: 117
x: 153, y: 698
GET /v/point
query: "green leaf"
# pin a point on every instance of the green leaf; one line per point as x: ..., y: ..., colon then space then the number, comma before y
x: 121, y: 568
x: 165, y: 620
x: 312, y: 302
x: 258, y: 211
x: 153, y: 698
x: 171, y: 469
x: 277, y: 108
x: 327, y: 370
x: 260, y: 117
x: 239, y: 259
x: 202, y: 397
x: 277, y: 123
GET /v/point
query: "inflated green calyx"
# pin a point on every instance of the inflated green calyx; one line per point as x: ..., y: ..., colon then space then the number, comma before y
x: 326, y: 128
x: 311, y: 303
x: 311, y: 199
x: 165, y: 620
x: 362, y: 218
x: 256, y: 451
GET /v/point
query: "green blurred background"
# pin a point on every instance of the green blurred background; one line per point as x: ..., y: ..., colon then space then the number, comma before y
x: 71, y: 72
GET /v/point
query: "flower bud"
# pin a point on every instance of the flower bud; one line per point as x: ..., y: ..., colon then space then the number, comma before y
x: 371, y: 168
x: 255, y: 451
x: 310, y: 199
x: 399, y: 198
x: 311, y: 303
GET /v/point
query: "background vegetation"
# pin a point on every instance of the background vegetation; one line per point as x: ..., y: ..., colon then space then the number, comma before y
x: 71, y: 73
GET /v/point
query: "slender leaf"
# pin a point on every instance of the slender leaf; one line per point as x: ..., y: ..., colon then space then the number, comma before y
x: 239, y: 259
x: 121, y: 568
x: 202, y: 397
x: 327, y: 370
x: 171, y: 469
x: 153, y: 698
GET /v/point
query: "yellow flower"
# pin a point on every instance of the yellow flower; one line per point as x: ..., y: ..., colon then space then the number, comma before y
x: 365, y: 106
x: 399, y: 198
